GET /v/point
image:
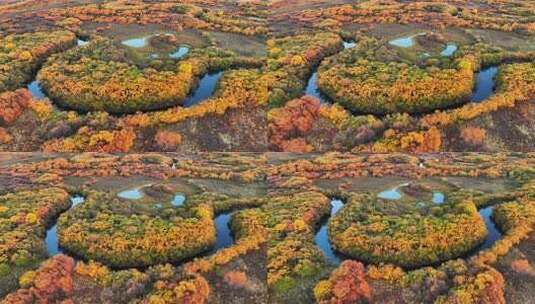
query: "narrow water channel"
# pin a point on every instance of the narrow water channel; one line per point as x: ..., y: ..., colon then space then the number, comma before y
x: 204, y: 90
x: 485, y: 84
x: 494, y: 233
x: 322, y: 235
x: 35, y: 89
x: 312, y: 88
x: 224, y: 238
x: 51, y: 238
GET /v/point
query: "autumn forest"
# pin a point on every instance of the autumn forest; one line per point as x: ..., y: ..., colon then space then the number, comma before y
x: 280, y: 76
x: 267, y: 151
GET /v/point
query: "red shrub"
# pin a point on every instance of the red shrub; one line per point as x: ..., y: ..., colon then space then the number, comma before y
x: 347, y: 284
x: 474, y: 136
x: 13, y: 104
x: 52, y: 283
x: 167, y: 140
x: 236, y: 278
x: 289, y: 124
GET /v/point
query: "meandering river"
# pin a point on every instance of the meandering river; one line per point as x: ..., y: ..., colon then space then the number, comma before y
x: 35, y: 87
x: 322, y: 236
x: 485, y: 84
x: 205, y: 89
x: 312, y: 88
x: 494, y: 233
x: 51, y: 238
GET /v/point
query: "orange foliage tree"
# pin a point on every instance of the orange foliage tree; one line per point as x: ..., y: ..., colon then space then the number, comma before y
x: 167, y: 140
x: 473, y: 135
x: 292, y: 121
x: 347, y: 284
x: 93, y: 141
